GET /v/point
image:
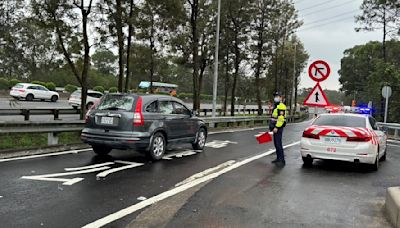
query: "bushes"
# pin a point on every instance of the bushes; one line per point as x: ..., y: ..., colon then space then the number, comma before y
x: 13, y: 82
x: 99, y: 89
x: 70, y: 88
x: 4, y: 83
x: 39, y: 83
x: 113, y: 90
x: 185, y: 96
x: 51, y: 86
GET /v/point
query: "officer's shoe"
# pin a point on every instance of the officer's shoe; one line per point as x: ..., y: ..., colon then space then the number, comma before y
x: 275, y: 161
x: 280, y: 163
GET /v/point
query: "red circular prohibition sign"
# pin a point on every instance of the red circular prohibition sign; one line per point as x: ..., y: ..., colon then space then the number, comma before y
x: 316, y: 73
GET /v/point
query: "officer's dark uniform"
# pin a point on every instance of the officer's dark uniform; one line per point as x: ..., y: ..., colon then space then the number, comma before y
x: 278, y: 120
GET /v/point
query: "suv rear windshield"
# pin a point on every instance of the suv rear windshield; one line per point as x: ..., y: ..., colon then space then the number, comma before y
x: 18, y: 86
x: 341, y: 121
x: 116, y: 102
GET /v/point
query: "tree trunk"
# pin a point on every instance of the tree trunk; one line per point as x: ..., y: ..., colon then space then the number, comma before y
x: 195, y: 50
x: 120, y: 38
x: 128, y: 49
x: 235, y: 76
x: 258, y: 69
x: 86, y: 60
x: 384, y: 35
x: 226, y: 89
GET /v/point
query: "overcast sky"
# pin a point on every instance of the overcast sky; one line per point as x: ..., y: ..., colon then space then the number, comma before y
x: 328, y: 30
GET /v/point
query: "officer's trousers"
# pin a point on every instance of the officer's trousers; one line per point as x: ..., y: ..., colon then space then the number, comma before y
x: 280, y: 156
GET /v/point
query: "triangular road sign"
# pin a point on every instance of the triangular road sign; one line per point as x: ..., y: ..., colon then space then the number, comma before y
x: 316, y: 98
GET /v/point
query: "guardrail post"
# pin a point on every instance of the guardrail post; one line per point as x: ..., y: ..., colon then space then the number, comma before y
x: 52, y: 138
x: 396, y: 133
x: 205, y: 112
x: 25, y: 112
x: 56, y: 113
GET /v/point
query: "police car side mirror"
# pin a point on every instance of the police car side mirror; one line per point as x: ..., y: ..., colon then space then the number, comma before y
x: 194, y: 113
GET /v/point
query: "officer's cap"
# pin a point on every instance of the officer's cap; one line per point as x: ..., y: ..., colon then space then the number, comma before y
x: 276, y: 93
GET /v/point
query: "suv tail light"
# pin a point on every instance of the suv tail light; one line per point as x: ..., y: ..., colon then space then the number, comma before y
x: 359, y: 139
x: 310, y: 135
x: 21, y: 90
x: 138, y: 114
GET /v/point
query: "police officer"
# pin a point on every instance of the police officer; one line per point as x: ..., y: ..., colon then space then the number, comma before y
x: 278, y: 122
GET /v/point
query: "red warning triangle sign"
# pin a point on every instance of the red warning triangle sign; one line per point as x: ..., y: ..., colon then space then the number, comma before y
x: 317, y: 97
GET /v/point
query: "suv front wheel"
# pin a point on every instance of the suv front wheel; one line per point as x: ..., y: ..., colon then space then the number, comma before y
x: 157, y: 146
x: 201, y: 138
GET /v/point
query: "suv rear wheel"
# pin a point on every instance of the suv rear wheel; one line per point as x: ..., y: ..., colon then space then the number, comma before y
x: 157, y: 146
x: 201, y: 138
x: 101, y: 150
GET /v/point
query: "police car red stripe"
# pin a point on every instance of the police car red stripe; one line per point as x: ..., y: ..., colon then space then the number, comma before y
x: 348, y: 132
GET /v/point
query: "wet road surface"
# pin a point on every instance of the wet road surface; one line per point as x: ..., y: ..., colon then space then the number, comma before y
x: 230, y: 184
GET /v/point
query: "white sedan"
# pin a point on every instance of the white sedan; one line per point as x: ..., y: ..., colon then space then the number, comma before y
x: 345, y: 137
x: 30, y: 92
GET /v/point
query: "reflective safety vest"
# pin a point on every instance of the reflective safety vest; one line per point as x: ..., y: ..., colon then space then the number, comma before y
x: 279, y: 116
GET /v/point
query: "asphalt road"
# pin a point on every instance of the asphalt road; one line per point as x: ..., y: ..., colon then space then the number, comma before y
x: 230, y: 184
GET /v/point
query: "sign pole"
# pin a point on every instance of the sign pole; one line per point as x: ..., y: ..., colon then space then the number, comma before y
x: 386, y: 106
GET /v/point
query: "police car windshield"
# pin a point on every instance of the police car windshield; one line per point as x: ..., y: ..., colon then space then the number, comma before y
x: 341, y: 121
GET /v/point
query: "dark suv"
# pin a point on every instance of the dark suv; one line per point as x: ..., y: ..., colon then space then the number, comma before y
x: 143, y: 122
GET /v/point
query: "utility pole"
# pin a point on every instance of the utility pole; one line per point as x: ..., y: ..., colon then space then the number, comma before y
x: 215, y: 84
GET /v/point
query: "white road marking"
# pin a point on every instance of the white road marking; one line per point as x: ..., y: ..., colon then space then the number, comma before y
x: 217, y: 144
x: 45, y: 155
x: 141, y: 198
x: 110, y: 171
x: 180, y: 154
x: 131, y: 209
x: 1, y: 197
x: 50, y: 177
x: 205, y: 172
x: 89, y: 166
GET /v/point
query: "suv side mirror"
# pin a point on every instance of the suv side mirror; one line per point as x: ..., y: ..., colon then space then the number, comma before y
x: 195, y: 113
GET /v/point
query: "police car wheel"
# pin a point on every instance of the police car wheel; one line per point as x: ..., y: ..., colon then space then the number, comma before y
x: 308, y: 161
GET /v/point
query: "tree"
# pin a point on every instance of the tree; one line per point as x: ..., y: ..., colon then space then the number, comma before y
x: 364, y: 72
x: 115, y: 14
x: 61, y: 16
x: 378, y: 14
x: 238, y: 24
x: 104, y: 60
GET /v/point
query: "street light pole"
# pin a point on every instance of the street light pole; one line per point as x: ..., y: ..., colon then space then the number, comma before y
x: 215, y: 84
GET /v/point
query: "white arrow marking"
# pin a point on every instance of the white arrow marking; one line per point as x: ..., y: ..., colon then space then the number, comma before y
x: 179, y: 155
x: 129, y: 166
x: 89, y: 166
x: 50, y: 177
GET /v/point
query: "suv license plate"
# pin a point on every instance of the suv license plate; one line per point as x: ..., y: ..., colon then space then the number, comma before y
x: 107, y: 120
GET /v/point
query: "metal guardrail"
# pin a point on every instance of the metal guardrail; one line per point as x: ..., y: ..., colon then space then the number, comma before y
x: 55, y: 127
x: 27, y: 113
x: 390, y: 128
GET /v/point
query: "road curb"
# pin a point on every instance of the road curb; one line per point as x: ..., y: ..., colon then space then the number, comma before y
x: 392, y: 205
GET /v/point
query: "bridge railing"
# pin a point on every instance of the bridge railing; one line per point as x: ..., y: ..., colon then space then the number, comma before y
x: 56, y: 112
x: 53, y: 128
x: 391, y: 128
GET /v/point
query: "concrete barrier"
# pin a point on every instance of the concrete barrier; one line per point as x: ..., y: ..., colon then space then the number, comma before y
x: 392, y: 205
